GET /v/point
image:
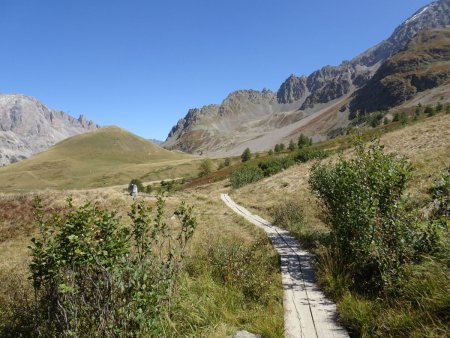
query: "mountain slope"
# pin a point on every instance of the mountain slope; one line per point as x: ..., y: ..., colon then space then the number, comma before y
x: 107, y: 156
x: 422, y: 65
x: 216, y: 129
x: 28, y: 126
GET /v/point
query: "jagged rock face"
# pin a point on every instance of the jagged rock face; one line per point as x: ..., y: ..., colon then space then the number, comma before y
x: 210, y: 124
x: 422, y: 65
x: 324, y: 86
x: 292, y: 90
x: 27, y: 127
x: 330, y: 83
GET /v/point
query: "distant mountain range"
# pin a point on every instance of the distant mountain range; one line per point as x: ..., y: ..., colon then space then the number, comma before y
x: 324, y: 101
x: 411, y: 66
x: 28, y: 127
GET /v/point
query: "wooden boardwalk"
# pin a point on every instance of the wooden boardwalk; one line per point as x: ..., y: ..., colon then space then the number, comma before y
x: 307, y: 312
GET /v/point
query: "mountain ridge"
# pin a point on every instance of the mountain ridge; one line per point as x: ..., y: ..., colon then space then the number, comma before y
x: 28, y: 126
x: 298, y: 96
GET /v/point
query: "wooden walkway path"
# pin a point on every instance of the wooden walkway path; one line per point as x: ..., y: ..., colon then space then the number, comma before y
x: 307, y: 312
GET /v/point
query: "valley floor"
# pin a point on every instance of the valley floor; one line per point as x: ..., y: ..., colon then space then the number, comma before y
x: 232, y: 279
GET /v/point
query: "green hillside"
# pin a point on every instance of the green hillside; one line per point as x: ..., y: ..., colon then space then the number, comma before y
x: 107, y: 156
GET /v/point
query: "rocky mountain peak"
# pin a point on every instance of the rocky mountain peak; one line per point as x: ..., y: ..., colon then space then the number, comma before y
x: 27, y: 126
x: 292, y: 90
x: 298, y: 97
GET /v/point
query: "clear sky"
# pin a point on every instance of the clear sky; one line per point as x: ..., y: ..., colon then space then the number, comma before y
x: 141, y: 64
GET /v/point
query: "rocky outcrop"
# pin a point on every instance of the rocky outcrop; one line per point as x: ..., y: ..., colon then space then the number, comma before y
x: 292, y: 90
x: 28, y: 126
x: 203, y: 128
x: 422, y: 65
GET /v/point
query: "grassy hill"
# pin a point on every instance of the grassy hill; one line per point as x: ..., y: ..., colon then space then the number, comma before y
x: 107, y: 156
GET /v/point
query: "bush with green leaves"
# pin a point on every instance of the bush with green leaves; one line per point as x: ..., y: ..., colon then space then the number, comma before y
x: 292, y: 146
x: 270, y: 167
x: 245, y: 266
x: 429, y: 111
x: 206, y: 167
x: 246, y: 155
x: 362, y: 200
x: 440, y: 194
x: 307, y: 154
x: 245, y: 175
x: 289, y: 215
x: 95, y: 277
x: 279, y: 147
x: 303, y: 141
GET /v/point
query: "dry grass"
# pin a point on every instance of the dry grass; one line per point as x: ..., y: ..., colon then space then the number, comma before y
x: 217, y: 310
x: 426, y: 144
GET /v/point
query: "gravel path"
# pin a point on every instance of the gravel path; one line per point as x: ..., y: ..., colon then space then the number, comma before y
x: 307, y: 312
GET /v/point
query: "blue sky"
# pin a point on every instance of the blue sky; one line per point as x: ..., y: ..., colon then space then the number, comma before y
x: 141, y: 64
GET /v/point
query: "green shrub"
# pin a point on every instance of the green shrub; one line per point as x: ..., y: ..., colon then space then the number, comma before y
x: 440, y: 193
x: 279, y: 147
x: 246, y: 155
x: 292, y: 146
x: 289, y: 215
x: 404, y: 118
x: 303, y: 141
x: 429, y: 111
x: 305, y: 155
x: 94, y: 277
x: 363, y: 206
x: 245, y: 175
x: 270, y: 167
x: 246, y: 266
x: 206, y: 167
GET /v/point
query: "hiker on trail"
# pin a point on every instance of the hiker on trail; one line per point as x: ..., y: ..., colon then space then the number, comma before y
x: 134, y: 191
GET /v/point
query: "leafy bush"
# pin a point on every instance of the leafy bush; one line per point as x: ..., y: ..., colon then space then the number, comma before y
x: 279, y: 147
x: 270, y: 167
x: 245, y: 175
x: 246, y: 155
x: 292, y: 146
x: 289, y: 215
x: 307, y: 154
x: 440, y: 193
x: 94, y: 277
x: 303, y: 141
x: 429, y: 111
x: 206, y: 167
x: 244, y: 266
x: 369, y: 228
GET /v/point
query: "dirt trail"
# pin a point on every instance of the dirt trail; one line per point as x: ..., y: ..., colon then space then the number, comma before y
x: 307, y: 312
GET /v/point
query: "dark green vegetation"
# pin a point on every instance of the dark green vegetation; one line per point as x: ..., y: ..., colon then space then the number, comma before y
x: 98, y: 274
x: 385, y: 263
x: 246, y: 155
x: 94, y: 277
x: 372, y: 235
x: 206, y: 167
x: 257, y: 170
